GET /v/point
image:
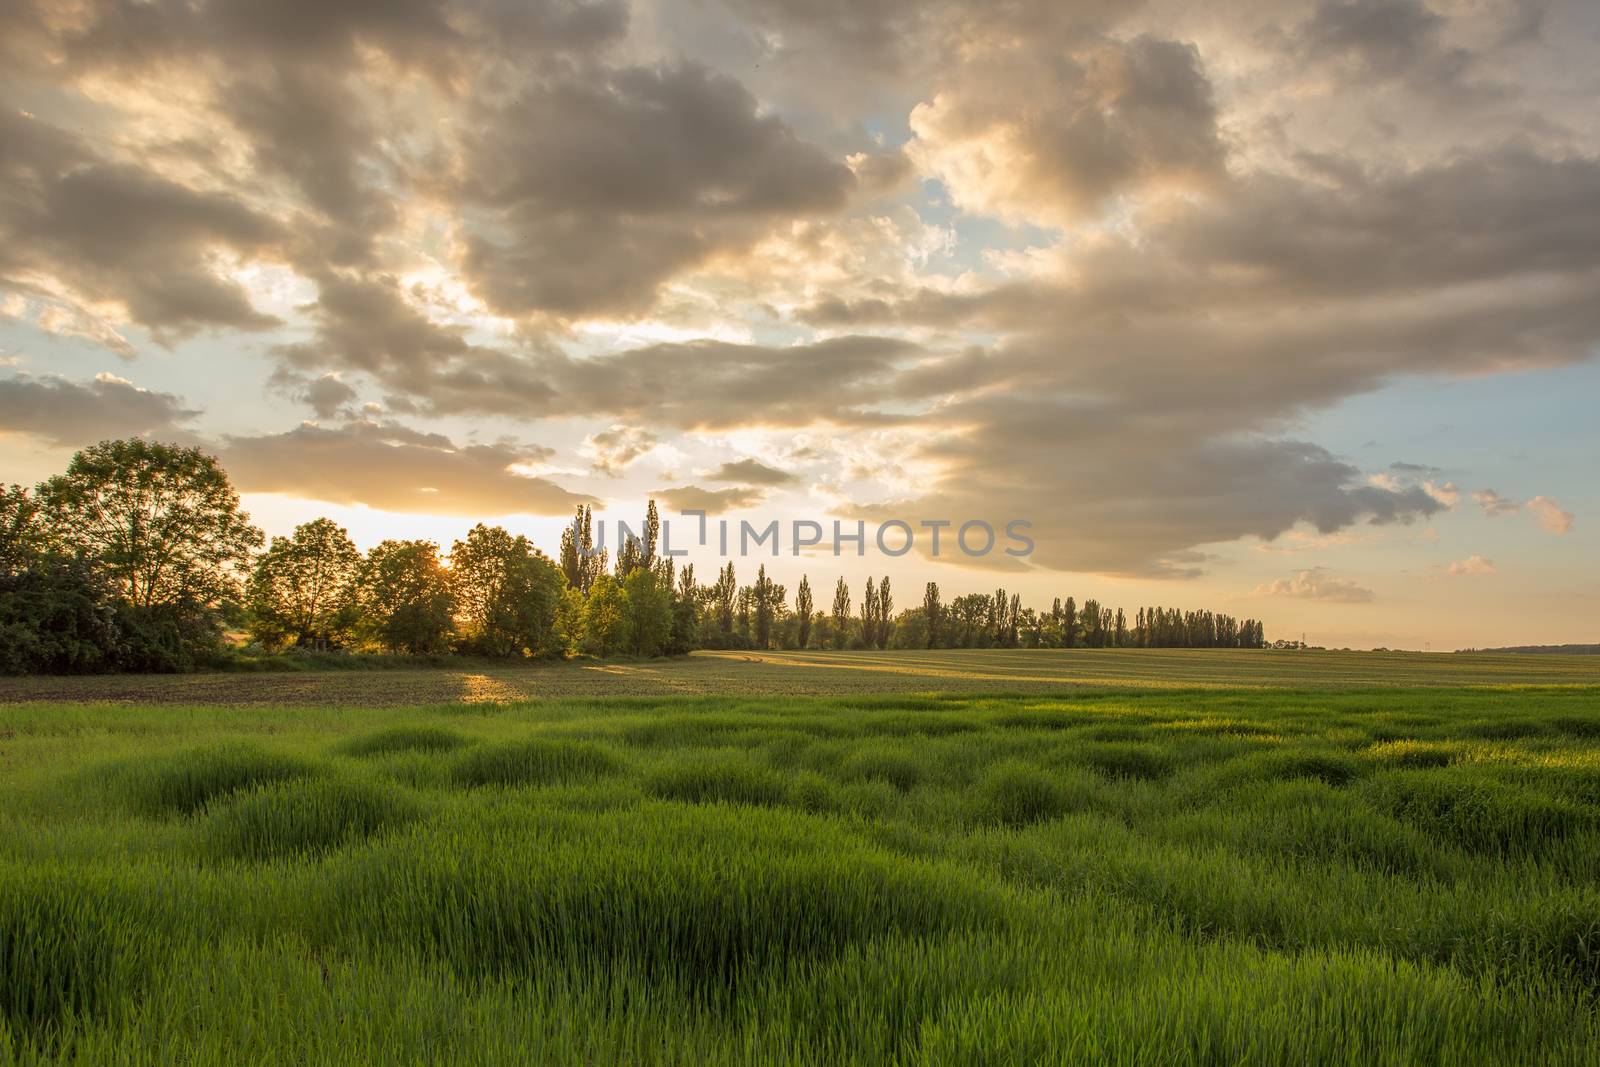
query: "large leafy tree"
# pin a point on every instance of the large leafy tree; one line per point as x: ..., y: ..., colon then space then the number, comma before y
x: 405, y: 597
x: 160, y: 521
x: 56, y: 614
x: 303, y: 588
x: 506, y: 592
x: 21, y: 538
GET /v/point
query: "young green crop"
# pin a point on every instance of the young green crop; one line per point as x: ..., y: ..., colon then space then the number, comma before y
x: 1124, y: 876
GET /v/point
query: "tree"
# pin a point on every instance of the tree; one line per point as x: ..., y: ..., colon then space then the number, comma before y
x: 686, y: 600
x: 1092, y: 637
x: 869, y: 615
x: 649, y: 613
x: 652, y: 534
x: 802, y: 610
x: 931, y: 613
x: 580, y: 562
x: 1069, y: 623
x: 57, y: 616
x: 885, y: 608
x: 639, y: 550
x: 302, y: 590
x: 841, y: 614
x: 22, y: 540
x: 162, y: 522
x: 722, y: 598
x: 405, y: 597
x: 910, y: 629
x: 605, y: 618
x: 506, y: 593
x: 766, y: 597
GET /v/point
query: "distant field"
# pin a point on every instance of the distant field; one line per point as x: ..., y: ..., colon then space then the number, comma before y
x: 1220, y: 877
x: 828, y: 673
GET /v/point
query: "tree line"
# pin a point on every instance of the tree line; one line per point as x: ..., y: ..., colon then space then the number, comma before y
x: 138, y: 558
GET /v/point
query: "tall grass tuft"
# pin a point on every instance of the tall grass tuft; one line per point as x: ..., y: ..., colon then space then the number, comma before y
x: 404, y: 739
x: 183, y: 784
x: 73, y: 944
x: 717, y: 779
x: 289, y: 818
x: 1017, y: 794
x: 535, y: 762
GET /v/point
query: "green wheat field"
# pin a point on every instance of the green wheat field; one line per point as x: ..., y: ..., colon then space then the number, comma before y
x: 1386, y: 864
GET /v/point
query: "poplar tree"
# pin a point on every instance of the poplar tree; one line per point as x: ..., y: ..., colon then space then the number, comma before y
x: 884, y: 612
x: 841, y: 614
x: 869, y: 615
x: 802, y: 610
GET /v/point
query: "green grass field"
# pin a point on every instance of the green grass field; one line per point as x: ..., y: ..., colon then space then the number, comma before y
x: 1134, y: 876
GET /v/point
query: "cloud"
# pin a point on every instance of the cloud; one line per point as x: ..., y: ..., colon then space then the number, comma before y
x: 1385, y: 40
x: 327, y: 395
x: 393, y: 468
x: 1212, y: 230
x: 1142, y: 507
x: 615, y: 449
x: 711, y: 501
x: 1115, y: 116
x: 85, y: 230
x: 750, y: 472
x: 1316, y: 584
x: 71, y: 414
x: 590, y: 192
x: 1446, y: 493
x: 1472, y: 565
x: 1552, y: 517
x: 1494, y: 504
x: 373, y: 325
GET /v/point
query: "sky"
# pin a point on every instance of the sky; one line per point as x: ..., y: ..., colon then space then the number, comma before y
x: 1284, y: 309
